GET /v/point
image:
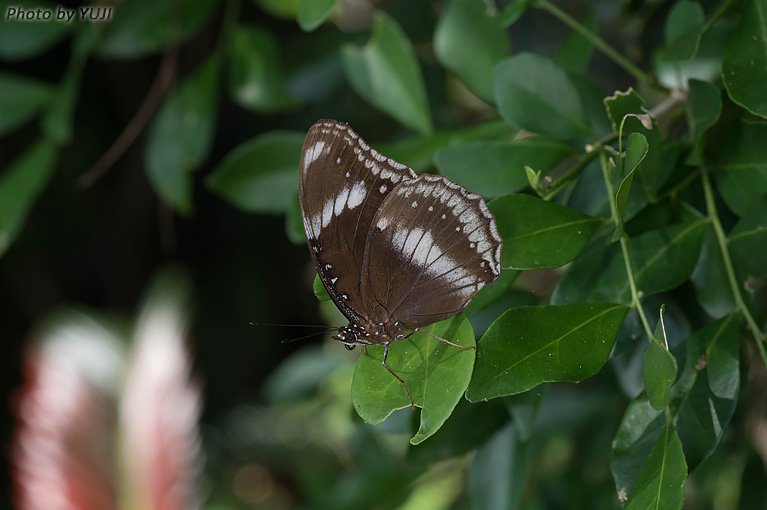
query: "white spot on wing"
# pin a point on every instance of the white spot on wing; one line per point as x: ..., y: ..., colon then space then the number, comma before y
x: 311, y: 154
x: 341, y: 201
x: 357, y: 194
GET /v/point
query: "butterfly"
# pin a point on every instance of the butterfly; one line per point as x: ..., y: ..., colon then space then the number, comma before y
x: 396, y: 251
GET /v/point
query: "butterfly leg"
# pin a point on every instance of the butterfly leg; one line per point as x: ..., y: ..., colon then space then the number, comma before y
x: 383, y: 362
x: 443, y: 340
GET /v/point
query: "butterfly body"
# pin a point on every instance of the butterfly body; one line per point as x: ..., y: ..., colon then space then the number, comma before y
x: 396, y: 251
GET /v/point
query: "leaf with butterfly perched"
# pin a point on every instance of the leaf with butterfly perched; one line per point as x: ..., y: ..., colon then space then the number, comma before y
x: 435, y: 373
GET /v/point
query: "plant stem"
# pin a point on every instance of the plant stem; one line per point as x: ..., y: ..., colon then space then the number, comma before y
x: 597, y: 41
x: 572, y: 174
x: 722, y: 240
x: 624, y: 247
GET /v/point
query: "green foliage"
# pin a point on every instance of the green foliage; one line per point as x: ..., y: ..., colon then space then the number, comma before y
x: 612, y: 201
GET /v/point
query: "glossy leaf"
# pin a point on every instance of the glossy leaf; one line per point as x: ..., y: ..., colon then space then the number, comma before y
x: 636, y: 150
x: 499, y: 471
x: 660, y: 368
x: 538, y: 234
x: 469, y: 43
x: 22, y: 40
x: 744, y: 70
x: 661, y: 483
x: 138, y: 28
x: 683, y: 30
x: 21, y: 99
x: 256, y: 81
x: 20, y: 185
x: 661, y: 260
x: 638, y: 432
x: 260, y: 175
x: 710, y: 278
x: 704, y: 105
x: 527, y: 346
x: 386, y: 73
x: 320, y: 292
x: 740, y: 165
x: 313, y: 13
x: 181, y: 135
x: 704, y: 397
x: 533, y: 93
x: 748, y: 240
x: 498, y: 167
x: 436, y: 374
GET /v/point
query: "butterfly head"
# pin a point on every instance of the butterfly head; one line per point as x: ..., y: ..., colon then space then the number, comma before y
x: 352, y: 336
x: 376, y: 334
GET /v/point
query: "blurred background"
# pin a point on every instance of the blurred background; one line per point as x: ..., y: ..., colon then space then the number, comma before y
x: 102, y: 249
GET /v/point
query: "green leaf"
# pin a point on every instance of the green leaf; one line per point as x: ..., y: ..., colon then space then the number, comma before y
x: 23, y: 40
x: 22, y: 98
x: 636, y: 150
x: 704, y: 397
x: 260, y: 175
x: 285, y: 9
x: 539, y: 234
x: 497, y: 167
x: 710, y: 278
x: 469, y: 43
x: 513, y: 12
x: 704, y: 105
x: 301, y: 373
x: 661, y: 483
x: 748, y: 240
x: 320, y: 292
x: 639, y: 430
x: 418, y: 152
x: 256, y: 81
x: 533, y: 93
x: 294, y: 224
x: 490, y: 294
x: 181, y: 135
x: 683, y: 30
x: 744, y: 70
x: 140, y: 28
x: 660, y: 368
x: 740, y: 165
x: 528, y: 346
x: 20, y: 185
x: 313, y: 13
x: 436, y: 374
x: 499, y: 471
x: 661, y: 260
x: 386, y: 73
x: 576, y: 51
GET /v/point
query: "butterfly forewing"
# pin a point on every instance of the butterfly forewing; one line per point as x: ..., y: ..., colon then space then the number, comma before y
x: 342, y: 183
x: 432, y: 246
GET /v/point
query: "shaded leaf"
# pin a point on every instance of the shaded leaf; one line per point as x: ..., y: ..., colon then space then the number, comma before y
x: 744, y: 70
x: 740, y: 165
x: 256, y: 81
x: 22, y: 40
x: 469, y: 43
x: 539, y: 234
x: 499, y: 471
x: 497, y: 167
x: 710, y: 278
x: 527, y: 346
x: 20, y: 185
x: 436, y: 374
x: 704, y: 105
x: 140, y: 28
x: 181, y: 135
x: 260, y: 175
x: 576, y: 51
x: 748, y: 240
x: 21, y: 100
x: 661, y: 483
x: 533, y: 93
x: 490, y: 294
x: 683, y: 30
x: 313, y: 13
x: 386, y: 73
x: 704, y: 397
x: 513, y: 12
x: 320, y: 292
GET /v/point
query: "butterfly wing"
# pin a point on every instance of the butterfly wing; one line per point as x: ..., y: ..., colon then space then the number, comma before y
x: 432, y: 246
x: 342, y: 183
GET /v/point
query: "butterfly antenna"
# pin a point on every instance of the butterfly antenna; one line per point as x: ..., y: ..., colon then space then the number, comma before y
x: 383, y: 362
x: 290, y: 340
x: 443, y: 340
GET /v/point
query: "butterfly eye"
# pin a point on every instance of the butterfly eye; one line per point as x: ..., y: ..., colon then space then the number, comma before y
x: 349, y: 347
